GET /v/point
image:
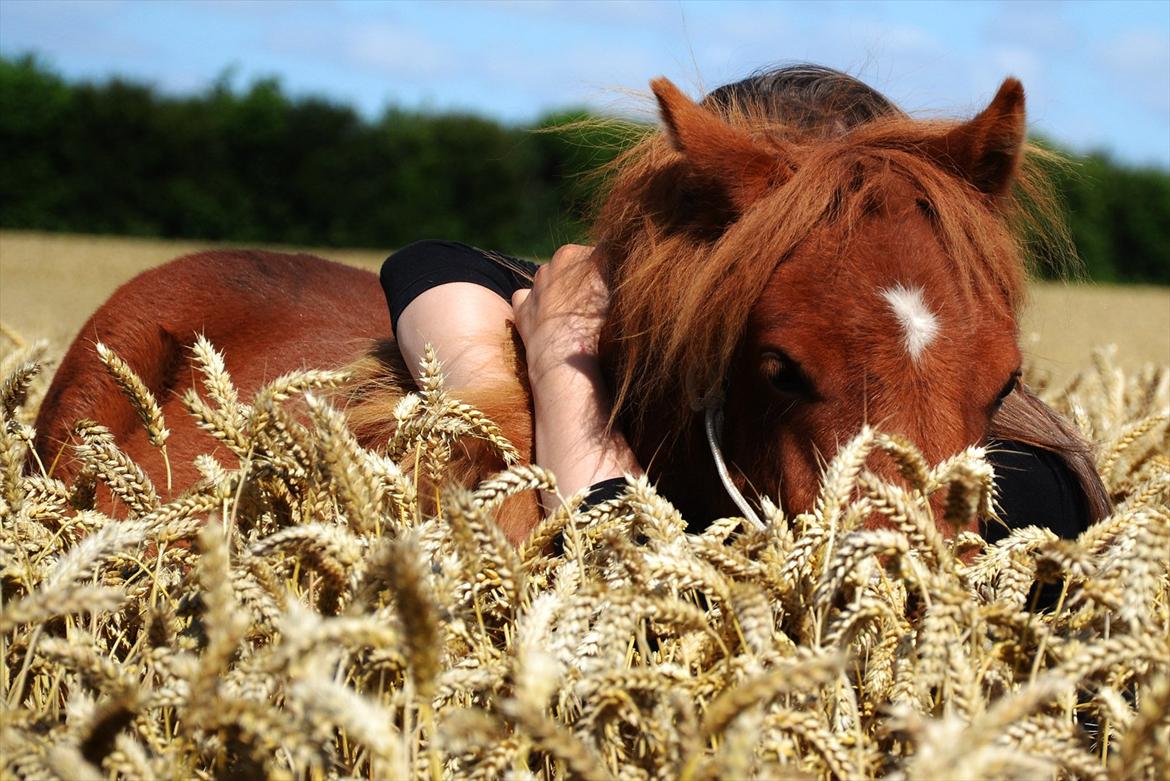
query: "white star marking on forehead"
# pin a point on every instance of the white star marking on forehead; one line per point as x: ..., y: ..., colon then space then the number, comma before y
x: 919, y: 325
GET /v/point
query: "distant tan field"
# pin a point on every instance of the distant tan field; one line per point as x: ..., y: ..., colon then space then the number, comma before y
x: 50, y: 283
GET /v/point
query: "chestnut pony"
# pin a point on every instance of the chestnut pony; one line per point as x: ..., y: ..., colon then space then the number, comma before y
x: 800, y: 255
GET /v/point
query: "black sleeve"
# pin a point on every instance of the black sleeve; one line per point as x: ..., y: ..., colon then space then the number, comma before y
x: 598, y: 493
x: 603, y: 492
x: 1035, y: 488
x: 422, y: 265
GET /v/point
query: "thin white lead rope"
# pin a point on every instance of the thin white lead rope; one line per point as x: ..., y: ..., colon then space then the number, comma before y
x: 714, y: 424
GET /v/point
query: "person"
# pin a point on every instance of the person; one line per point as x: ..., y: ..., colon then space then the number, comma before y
x: 457, y: 298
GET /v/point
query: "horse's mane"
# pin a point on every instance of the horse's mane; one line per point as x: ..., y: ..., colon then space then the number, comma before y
x: 685, y: 269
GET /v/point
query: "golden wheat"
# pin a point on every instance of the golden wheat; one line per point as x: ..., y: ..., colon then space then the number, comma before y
x: 358, y: 633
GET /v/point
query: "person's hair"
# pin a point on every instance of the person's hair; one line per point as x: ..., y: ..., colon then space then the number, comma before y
x: 812, y: 98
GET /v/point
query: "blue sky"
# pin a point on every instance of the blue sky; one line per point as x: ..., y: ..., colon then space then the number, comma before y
x: 1097, y: 73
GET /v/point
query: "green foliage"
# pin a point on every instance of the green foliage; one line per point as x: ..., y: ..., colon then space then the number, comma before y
x: 256, y: 164
x: 1120, y: 219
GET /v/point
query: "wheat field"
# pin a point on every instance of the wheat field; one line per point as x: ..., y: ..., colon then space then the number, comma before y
x: 298, y: 614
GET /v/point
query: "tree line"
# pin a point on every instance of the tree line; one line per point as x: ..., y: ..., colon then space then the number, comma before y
x: 255, y: 164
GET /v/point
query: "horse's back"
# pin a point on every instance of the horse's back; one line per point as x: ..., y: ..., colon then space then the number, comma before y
x: 269, y: 313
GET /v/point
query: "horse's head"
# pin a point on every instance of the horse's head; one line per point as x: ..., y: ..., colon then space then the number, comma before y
x: 815, y: 281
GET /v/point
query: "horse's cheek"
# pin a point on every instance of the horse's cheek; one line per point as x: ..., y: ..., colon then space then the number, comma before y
x: 796, y: 459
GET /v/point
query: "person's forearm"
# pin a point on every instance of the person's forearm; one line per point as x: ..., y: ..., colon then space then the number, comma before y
x: 573, y: 437
x: 560, y: 320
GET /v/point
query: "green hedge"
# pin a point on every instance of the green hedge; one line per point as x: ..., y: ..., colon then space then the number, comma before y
x: 258, y: 165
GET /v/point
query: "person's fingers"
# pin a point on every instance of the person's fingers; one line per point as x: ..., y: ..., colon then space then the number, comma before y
x: 520, y: 296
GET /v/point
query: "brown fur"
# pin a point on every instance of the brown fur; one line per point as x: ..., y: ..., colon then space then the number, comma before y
x: 269, y: 313
x: 380, y: 378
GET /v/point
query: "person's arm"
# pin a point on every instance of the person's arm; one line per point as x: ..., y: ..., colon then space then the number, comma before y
x: 464, y: 323
x: 463, y: 317
x: 559, y: 321
x: 458, y: 299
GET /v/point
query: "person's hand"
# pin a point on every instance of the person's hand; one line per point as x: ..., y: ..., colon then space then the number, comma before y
x: 559, y: 321
x: 560, y: 318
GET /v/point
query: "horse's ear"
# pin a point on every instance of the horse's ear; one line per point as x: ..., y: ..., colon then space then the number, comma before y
x: 986, y: 150
x: 718, y: 150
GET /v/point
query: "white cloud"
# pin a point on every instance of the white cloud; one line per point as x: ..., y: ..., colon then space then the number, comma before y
x: 1035, y: 24
x: 100, y: 29
x: 393, y: 51
x: 1137, y: 63
x: 386, y: 49
x: 641, y: 13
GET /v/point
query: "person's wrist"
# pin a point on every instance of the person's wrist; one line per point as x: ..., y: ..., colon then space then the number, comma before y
x: 571, y: 399
x: 558, y: 363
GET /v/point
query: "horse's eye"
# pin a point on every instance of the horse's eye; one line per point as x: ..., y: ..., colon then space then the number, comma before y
x: 1012, y: 383
x: 784, y: 374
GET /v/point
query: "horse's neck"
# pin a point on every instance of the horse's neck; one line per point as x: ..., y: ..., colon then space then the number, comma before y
x: 680, y: 465
x: 677, y: 461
